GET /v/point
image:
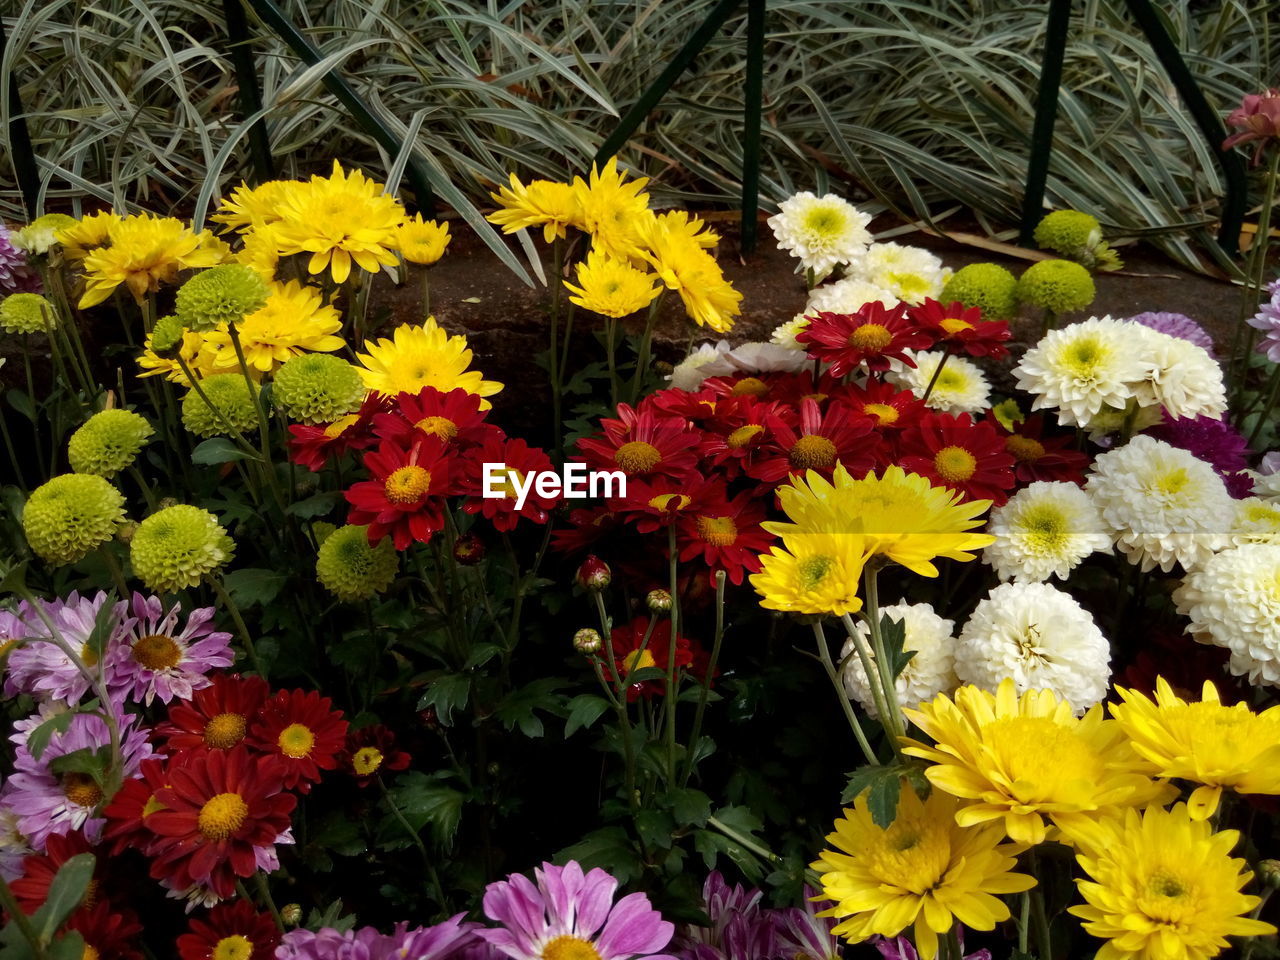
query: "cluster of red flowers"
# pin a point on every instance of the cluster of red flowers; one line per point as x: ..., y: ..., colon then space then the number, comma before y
x: 418, y: 450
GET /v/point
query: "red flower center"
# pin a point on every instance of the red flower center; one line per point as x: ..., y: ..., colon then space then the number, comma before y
x: 717, y: 531
x: 1024, y: 448
x: 812, y: 452
x: 224, y: 731
x: 871, y: 336
x: 441, y: 427
x: 222, y: 815
x: 157, y: 652
x: 955, y: 464
x: 637, y: 456
x: 408, y: 484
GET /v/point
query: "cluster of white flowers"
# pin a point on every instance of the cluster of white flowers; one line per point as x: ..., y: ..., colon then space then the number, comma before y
x: 928, y: 673
x: 959, y: 388
x: 822, y: 232
x: 1101, y: 370
x: 723, y: 360
x: 909, y: 274
x: 1043, y: 531
x: 1256, y: 521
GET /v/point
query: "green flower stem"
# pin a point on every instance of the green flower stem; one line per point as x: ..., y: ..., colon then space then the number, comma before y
x: 1256, y: 274
x: 646, y: 347
x: 117, y: 572
x: 762, y: 852
x: 824, y: 654
x: 950, y: 944
x: 236, y: 618
x: 264, y: 429
x: 426, y: 292
x: 1272, y: 391
x: 706, y: 679
x: 553, y: 356
x: 13, y: 456
x: 620, y: 702
x: 611, y: 346
x: 928, y: 391
x: 871, y: 611
x: 436, y: 886
x: 1024, y: 922
x: 1039, y: 920
x: 673, y: 678
x: 522, y: 584
x: 145, y: 487
x: 22, y: 921
x: 264, y: 890
x: 236, y: 436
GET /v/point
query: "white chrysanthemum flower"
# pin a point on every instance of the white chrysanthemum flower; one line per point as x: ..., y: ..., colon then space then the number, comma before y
x: 1233, y: 601
x: 755, y: 358
x: 960, y: 388
x: 1082, y: 369
x: 847, y: 296
x: 1162, y: 505
x: 1182, y: 377
x: 1043, y: 531
x: 1266, y: 479
x: 784, y: 334
x: 1257, y: 521
x: 1041, y: 638
x: 821, y: 231
x: 911, y: 274
x: 688, y: 373
x: 930, y: 672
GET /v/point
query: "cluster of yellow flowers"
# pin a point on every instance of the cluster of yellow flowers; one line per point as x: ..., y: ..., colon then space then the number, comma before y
x: 635, y: 252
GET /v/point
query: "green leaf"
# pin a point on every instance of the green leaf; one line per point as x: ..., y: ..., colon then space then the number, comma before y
x: 894, y: 634
x: 41, y: 735
x: 446, y: 693
x: 882, y: 800
x: 517, y: 708
x: 20, y: 401
x: 425, y: 800
x: 882, y: 785
x: 481, y: 654
x: 711, y: 845
x: 655, y: 828
x: 70, y: 946
x: 316, y: 505
x: 645, y: 673
x: 254, y: 585
x: 219, y: 450
x: 739, y: 819
x: 610, y: 848
x: 584, y: 710
x: 65, y: 894
x: 331, y: 917
x: 87, y: 761
x: 689, y: 806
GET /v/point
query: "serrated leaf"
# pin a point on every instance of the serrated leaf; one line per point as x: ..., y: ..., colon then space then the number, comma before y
x: 316, y: 505
x: 481, y: 654
x: 645, y: 673
x: 20, y: 401
x: 254, y: 585
x: 584, y: 710
x: 87, y: 761
x: 690, y: 807
x: 427, y: 801
x: 610, y: 848
x: 739, y: 819
x: 882, y: 785
x: 517, y: 708
x: 893, y: 633
x: 882, y: 800
x: 446, y: 693
x: 39, y: 738
x: 655, y: 828
x: 217, y: 450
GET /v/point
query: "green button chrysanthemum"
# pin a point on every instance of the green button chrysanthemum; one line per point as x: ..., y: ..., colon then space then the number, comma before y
x: 1059, y: 286
x: 108, y: 442
x: 166, y: 336
x: 1068, y: 232
x: 230, y: 395
x: 988, y: 286
x: 39, y: 235
x: 318, y: 388
x: 348, y: 567
x: 70, y: 515
x: 177, y: 546
x: 222, y: 294
x: 25, y: 313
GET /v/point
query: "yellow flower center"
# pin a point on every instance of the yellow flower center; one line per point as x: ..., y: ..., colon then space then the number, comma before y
x: 637, y: 456
x: 90, y: 952
x: 222, y: 815
x: 1024, y: 449
x: 669, y: 502
x: 88, y: 655
x: 234, y: 947
x: 912, y: 854
x: 638, y: 660
x: 812, y: 452
x: 7, y: 644
x: 717, y: 531
x: 1170, y: 900
x: 1044, y: 530
x: 953, y: 325
x: 157, y: 652
x: 950, y: 380
x: 569, y: 948
x: 954, y: 464
x: 871, y: 336
x: 366, y: 760
x: 407, y: 484
x: 813, y: 570
x: 152, y: 806
x: 507, y: 483
x: 224, y: 731
x: 884, y: 412
x: 338, y: 426
x: 1042, y: 761
x: 296, y: 740
x: 1083, y: 357
x: 81, y: 789
x: 1173, y: 482
x: 750, y: 387
x: 441, y: 427
x: 743, y: 436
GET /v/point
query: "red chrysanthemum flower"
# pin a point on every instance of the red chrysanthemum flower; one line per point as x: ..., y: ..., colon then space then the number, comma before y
x: 635, y: 647
x: 230, y: 931
x: 312, y: 445
x: 456, y: 418
x: 217, y: 716
x: 518, y: 461
x: 1039, y: 456
x: 737, y: 434
x: 817, y: 441
x: 108, y: 934
x: 890, y: 409
x: 133, y: 804
x: 872, y: 337
x: 696, y: 408
x: 761, y: 387
x: 643, y: 444
x: 962, y: 328
x: 369, y: 752
x: 650, y: 506
x: 222, y: 808
x: 304, y: 731
x: 586, y: 526
x: 405, y: 498
x: 954, y: 451
x: 726, y: 534
x: 31, y: 889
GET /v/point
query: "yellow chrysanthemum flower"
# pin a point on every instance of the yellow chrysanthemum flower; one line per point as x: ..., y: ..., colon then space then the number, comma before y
x: 338, y: 219
x: 1162, y: 885
x: 260, y: 251
x: 422, y: 241
x: 145, y: 252
x: 901, y: 515
x: 677, y: 254
x: 921, y: 870
x: 1218, y: 746
x: 153, y: 365
x: 92, y: 231
x: 812, y: 573
x: 1027, y: 759
x: 250, y: 207
x: 422, y: 356
x: 610, y: 208
x: 611, y: 287
x: 543, y: 203
x: 294, y: 320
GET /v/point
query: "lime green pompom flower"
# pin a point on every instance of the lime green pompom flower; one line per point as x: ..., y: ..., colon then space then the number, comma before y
x: 223, y: 294
x: 70, y: 515
x: 177, y: 547
x: 352, y: 569
x: 166, y: 336
x: 318, y: 388
x: 1076, y: 236
x: 1058, y: 286
x: 108, y: 442
x: 25, y: 313
x: 231, y: 397
x: 987, y: 286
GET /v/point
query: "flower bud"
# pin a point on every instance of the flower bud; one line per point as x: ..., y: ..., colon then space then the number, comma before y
x: 291, y: 914
x: 658, y: 601
x: 468, y: 549
x: 1258, y: 120
x: 587, y: 641
x: 594, y: 574
x: 1269, y: 873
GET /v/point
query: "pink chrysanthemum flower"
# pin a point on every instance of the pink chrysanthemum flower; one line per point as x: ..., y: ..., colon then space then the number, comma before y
x: 40, y: 668
x: 154, y: 655
x: 449, y: 939
x: 802, y: 933
x: 571, y: 916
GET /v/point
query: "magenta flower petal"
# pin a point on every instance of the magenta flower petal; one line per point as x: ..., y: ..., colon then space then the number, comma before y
x: 634, y: 927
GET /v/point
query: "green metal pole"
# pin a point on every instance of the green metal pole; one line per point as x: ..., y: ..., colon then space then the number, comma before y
x: 249, y: 95
x: 25, y: 169
x: 1055, y: 48
x: 753, y: 107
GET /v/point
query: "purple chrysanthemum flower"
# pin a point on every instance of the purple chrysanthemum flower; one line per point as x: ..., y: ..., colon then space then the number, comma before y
x: 16, y: 276
x: 13, y: 630
x: 152, y: 655
x: 444, y: 941
x: 803, y: 935
x: 740, y: 929
x: 40, y: 668
x: 1267, y: 319
x: 1176, y: 325
x: 1215, y: 442
x: 46, y: 802
x: 571, y: 916
x: 900, y: 948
